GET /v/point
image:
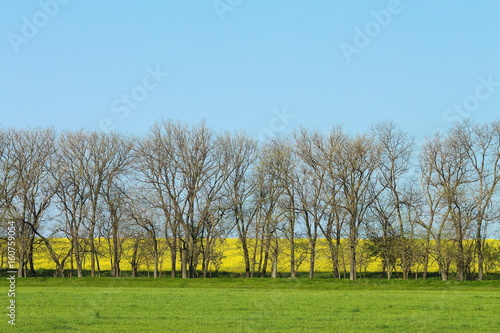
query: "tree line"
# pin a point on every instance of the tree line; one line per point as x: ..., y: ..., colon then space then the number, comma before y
x: 184, y: 188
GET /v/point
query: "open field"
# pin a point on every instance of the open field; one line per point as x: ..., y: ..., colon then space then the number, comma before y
x: 254, y: 305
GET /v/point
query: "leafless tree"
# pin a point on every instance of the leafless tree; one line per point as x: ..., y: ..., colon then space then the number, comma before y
x: 447, y: 175
x: 357, y: 165
x: 187, y: 170
x: 114, y: 192
x: 72, y: 192
x: 284, y: 173
x: 27, y: 189
x: 481, y: 147
x: 8, y: 181
x: 270, y: 194
x: 327, y: 155
x: 396, y: 150
x: 240, y: 188
x: 312, y: 187
x: 160, y: 176
x: 140, y: 209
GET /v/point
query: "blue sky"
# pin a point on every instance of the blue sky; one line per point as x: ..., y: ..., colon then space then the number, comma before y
x: 254, y: 65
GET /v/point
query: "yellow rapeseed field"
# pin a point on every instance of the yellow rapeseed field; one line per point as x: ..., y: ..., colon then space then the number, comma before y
x: 230, y: 252
x: 230, y: 257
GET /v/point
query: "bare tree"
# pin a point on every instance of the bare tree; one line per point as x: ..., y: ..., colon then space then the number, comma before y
x: 187, y: 171
x: 396, y: 149
x: 269, y: 198
x: 72, y: 192
x: 107, y: 155
x: 28, y: 189
x: 8, y: 181
x: 326, y: 155
x: 481, y: 147
x: 358, y: 162
x: 240, y: 188
x: 114, y: 192
x: 446, y: 170
x: 312, y: 187
x: 283, y: 171
x: 160, y: 176
x: 140, y: 209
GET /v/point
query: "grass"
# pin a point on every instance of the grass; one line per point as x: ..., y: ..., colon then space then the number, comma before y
x: 254, y: 305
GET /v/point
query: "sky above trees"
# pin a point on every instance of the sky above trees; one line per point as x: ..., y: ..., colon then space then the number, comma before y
x: 264, y: 67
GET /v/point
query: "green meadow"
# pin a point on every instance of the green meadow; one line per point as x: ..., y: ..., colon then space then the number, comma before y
x: 254, y: 305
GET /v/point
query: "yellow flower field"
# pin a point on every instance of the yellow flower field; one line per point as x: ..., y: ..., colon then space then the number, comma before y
x: 230, y: 257
x: 231, y: 261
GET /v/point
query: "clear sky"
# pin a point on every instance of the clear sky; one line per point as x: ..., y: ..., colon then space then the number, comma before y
x: 254, y: 65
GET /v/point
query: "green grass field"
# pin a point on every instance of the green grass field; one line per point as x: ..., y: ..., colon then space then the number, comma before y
x: 254, y: 305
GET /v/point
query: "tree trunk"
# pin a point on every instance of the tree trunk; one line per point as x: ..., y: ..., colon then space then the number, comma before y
x: 460, y: 261
x: 312, y: 258
x: 116, y: 251
x: 444, y: 274
x: 293, y: 273
x: 479, y: 252
x: 92, y: 253
x: 173, y: 256
x: 98, y: 266
x: 274, y: 274
x: 264, y: 263
x: 426, y: 257
x: 30, y: 259
x: 21, y: 269
x: 246, y: 256
x: 156, y: 256
x: 388, y: 267
x: 184, y: 263
x: 134, y: 263
x: 78, y: 258
x: 352, y: 257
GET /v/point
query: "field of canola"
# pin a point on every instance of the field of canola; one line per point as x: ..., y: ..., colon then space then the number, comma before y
x: 230, y: 258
